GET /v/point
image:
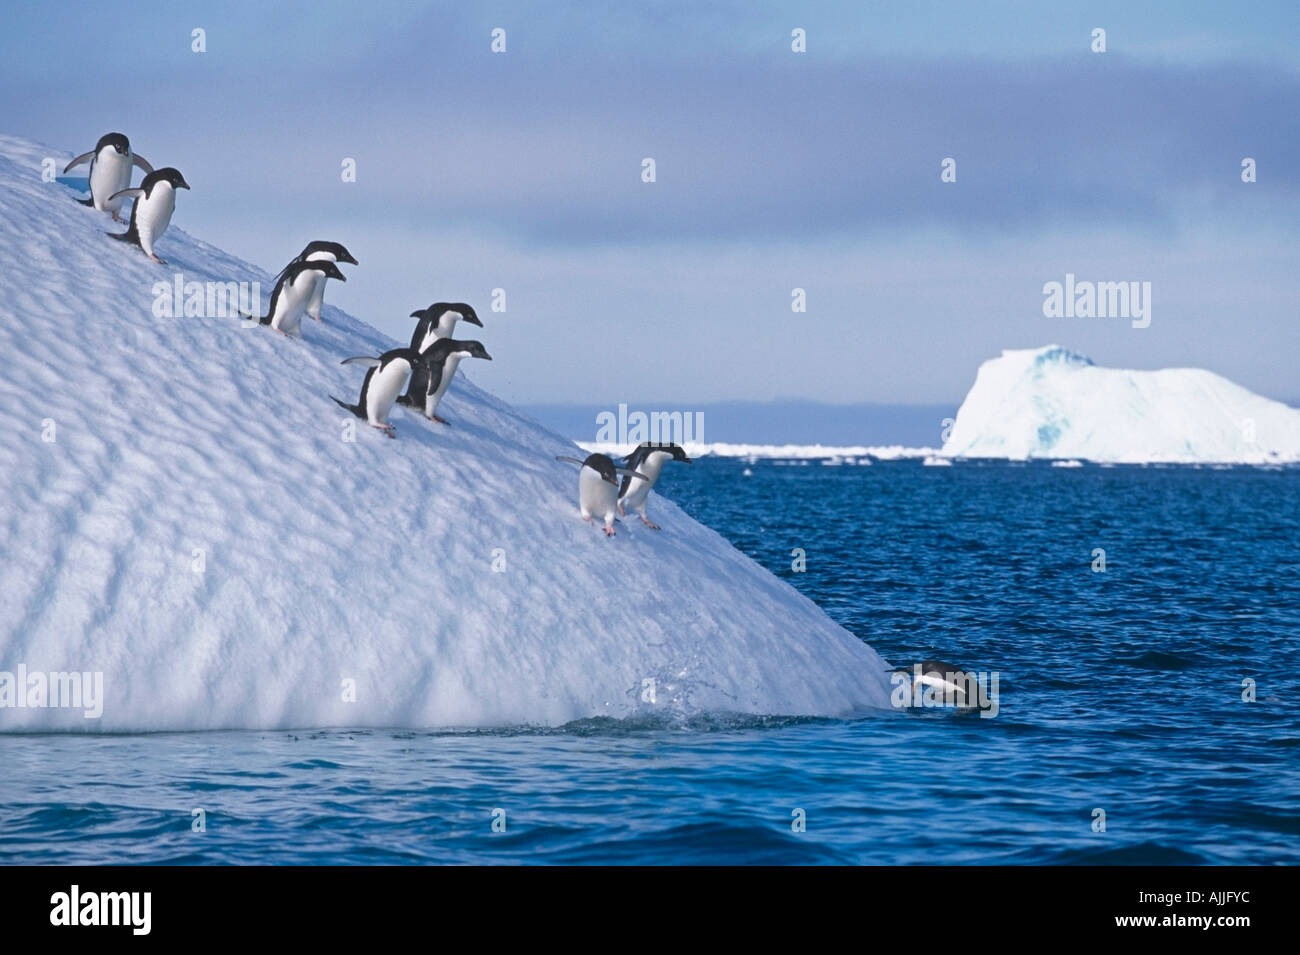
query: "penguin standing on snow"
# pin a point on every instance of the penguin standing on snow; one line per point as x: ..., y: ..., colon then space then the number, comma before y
x: 598, y: 487
x: 431, y: 379
x: 292, y: 294
x: 384, y: 381
x: 319, y: 251
x: 439, y: 321
x: 110, y: 172
x: 650, y: 460
x: 151, y: 212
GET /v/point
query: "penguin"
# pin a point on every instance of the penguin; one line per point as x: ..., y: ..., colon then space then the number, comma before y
x: 598, y: 487
x: 292, y: 294
x: 439, y: 321
x: 110, y: 172
x: 431, y: 380
x: 649, y: 458
x: 151, y: 212
x: 319, y: 251
x: 948, y: 680
x: 385, y: 379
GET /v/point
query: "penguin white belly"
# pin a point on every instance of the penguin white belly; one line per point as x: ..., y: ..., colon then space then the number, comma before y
x: 638, y: 491
x: 293, y: 300
x: 596, y: 496
x: 110, y: 173
x: 448, y: 372
x: 317, y: 298
x: 153, y: 213
x: 385, y: 385
x: 636, y: 495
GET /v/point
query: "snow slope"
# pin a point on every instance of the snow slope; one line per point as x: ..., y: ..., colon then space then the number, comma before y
x: 199, y: 531
x: 1053, y: 403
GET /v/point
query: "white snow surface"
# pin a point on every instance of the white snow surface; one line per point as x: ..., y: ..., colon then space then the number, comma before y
x: 1054, y: 403
x: 200, y: 533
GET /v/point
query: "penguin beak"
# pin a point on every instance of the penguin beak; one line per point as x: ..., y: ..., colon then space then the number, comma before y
x: 486, y: 355
x: 340, y: 276
x: 473, y: 320
x: 182, y: 184
x: 347, y: 257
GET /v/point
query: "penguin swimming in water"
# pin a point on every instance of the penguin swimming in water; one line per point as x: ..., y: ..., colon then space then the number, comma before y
x: 110, y: 172
x: 430, y: 381
x: 319, y: 251
x: 951, y: 682
x: 151, y: 212
x: 439, y: 321
x: 292, y: 294
x: 384, y: 381
x: 598, y: 487
x: 649, y: 459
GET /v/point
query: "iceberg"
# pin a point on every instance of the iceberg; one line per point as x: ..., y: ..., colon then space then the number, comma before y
x: 1056, y: 404
x: 185, y: 515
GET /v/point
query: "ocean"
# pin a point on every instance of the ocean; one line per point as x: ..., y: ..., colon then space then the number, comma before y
x: 1146, y: 712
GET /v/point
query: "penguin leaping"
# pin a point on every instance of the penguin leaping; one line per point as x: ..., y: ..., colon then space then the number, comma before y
x: 598, y: 487
x: 650, y: 459
x: 319, y: 251
x: 431, y: 379
x: 151, y: 212
x: 384, y: 381
x: 293, y: 292
x: 110, y: 172
x: 439, y: 321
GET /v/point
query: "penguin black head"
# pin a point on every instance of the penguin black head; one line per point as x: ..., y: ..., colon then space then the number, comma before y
x: 602, y: 465
x: 121, y: 145
x: 646, y: 448
x: 335, y: 249
x: 330, y: 269
x: 475, y: 349
x: 168, y: 174
x: 438, y: 309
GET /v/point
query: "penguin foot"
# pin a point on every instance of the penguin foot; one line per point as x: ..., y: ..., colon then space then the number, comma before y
x: 158, y: 260
x: 650, y: 524
x: 621, y: 512
x: 387, y: 429
x: 118, y: 218
x: 440, y: 420
x: 609, y: 530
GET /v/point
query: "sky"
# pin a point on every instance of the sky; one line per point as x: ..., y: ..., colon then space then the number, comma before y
x: 774, y: 171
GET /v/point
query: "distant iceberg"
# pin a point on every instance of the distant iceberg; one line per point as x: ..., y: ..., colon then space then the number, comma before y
x: 1054, y: 403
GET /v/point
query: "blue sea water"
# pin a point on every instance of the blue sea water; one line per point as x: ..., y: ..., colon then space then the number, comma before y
x: 1118, y: 691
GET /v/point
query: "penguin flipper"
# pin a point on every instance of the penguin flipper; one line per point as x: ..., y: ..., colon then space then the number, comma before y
x: 568, y: 460
x: 86, y: 202
x: 127, y: 193
x: 140, y: 161
x: 630, y: 473
x: 355, y: 409
x: 361, y: 360
x: 130, y: 235
x: 84, y: 157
